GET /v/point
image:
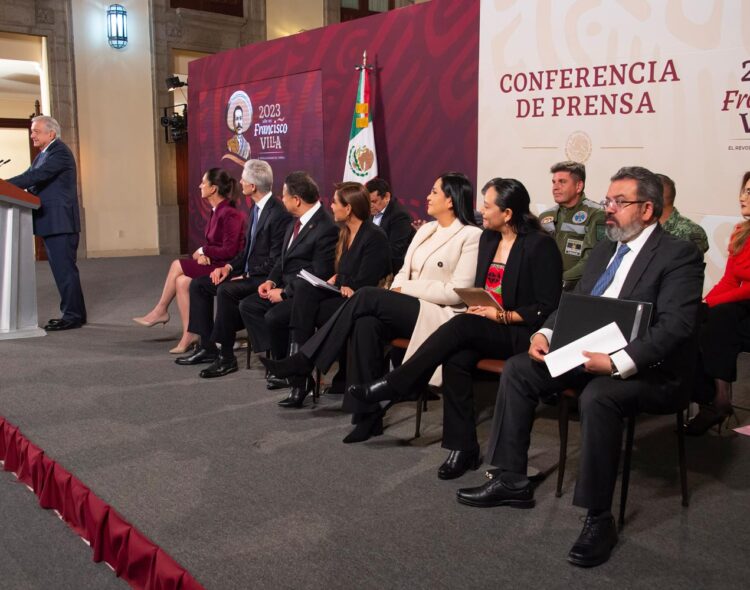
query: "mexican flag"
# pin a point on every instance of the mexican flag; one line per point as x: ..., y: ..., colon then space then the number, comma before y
x: 361, y: 161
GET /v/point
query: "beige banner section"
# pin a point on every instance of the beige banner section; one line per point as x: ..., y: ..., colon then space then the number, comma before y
x: 663, y: 84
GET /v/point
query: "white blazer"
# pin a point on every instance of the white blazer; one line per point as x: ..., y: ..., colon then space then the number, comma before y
x: 451, y: 262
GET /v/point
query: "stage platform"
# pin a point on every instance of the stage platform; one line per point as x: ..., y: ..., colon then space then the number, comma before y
x: 244, y: 494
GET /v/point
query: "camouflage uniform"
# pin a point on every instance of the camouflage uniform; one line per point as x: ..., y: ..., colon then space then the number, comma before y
x: 576, y: 230
x: 681, y: 227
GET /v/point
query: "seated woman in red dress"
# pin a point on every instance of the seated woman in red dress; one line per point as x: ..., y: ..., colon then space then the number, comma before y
x: 727, y: 327
x: 224, y: 237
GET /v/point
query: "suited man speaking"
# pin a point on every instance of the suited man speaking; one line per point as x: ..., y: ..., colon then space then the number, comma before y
x: 639, y: 262
x: 239, y: 278
x: 52, y: 178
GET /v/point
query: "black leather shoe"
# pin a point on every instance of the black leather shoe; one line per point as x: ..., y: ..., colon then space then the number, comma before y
x: 296, y: 365
x: 499, y: 491
x: 219, y: 368
x: 595, y: 543
x: 62, y: 325
x: 273, y: 382
x: 369, y: 425
x: 377, y: 391
x: 301, y: 387
x: 199, y: 357
x: 458, y: 463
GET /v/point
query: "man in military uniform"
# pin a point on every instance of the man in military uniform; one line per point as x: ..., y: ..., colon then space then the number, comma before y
x: 575, y: 222
x: 674, y: 223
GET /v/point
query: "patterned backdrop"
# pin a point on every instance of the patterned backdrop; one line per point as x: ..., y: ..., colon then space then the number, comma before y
x: 425, y: 99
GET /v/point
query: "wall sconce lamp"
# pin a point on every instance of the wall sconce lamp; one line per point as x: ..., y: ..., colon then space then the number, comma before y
x: 117, y: 26
x: 174, y: 82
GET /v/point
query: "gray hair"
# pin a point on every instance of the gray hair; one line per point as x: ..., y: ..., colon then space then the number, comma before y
x: 259, y: 173
x: 575, y: 169
x: 648, y: 185
x: 49, y: 122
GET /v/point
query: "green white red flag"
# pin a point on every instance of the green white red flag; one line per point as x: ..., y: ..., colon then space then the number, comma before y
x: 361, y: 159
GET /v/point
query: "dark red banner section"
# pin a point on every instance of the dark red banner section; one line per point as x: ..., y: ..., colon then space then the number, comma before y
x: 424, y: 109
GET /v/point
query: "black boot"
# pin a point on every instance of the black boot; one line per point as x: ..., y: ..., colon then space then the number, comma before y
x: 458, y: 463
x: 369, y: 425
x: 296, y: 365
x: 377, y: 391
x: 301, y: 387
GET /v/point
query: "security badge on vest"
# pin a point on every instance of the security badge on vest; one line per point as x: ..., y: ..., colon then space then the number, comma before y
x: 569, y: 227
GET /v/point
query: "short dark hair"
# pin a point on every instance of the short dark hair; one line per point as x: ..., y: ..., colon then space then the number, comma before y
x: 300, y: 184
x: 378, y: 185
x: 576, y: 169
x: 512, y: 194
x: 648, y: 185
x: 667, y: 182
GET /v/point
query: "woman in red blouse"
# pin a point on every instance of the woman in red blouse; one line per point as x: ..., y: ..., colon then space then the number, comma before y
x: 223, y: 239
x: 727, y: 326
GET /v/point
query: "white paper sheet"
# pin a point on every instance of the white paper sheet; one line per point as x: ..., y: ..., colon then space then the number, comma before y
x: 315, y: 281
x: 607, y: 340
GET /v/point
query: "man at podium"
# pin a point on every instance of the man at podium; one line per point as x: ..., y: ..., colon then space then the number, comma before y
x: 52, y: 178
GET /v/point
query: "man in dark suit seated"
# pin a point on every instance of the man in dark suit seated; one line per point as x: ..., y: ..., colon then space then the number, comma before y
x: 239, y: 278
x: 392, y: 218
x: 309, y: 244
x: 52, y: 178
x: 641, y: 262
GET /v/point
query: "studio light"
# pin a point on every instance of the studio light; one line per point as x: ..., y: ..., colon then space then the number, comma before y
x: 117, y: 26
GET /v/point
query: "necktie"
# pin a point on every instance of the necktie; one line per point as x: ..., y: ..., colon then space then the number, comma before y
x: 295, y: 232
x: 253, y: 231
x: 609, y: 273
x: 39, y: 160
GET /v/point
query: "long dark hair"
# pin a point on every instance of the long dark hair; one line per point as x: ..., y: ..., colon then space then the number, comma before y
x: 458, y: 187
x: 512, y: 194
x: 226, y: 185
x: 743, y: 229
x: 357, y: 196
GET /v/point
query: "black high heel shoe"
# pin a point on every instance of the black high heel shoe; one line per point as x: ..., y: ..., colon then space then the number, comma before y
x: 706, y: 418
x: 370, y: 425
x: 296, y: 365
x: 377, y: 391
x: 301, y: 388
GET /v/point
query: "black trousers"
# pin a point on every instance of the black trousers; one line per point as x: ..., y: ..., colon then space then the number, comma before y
x: 457, y: 345
x: 603, y: 404
x: 369, y: 319
x: 725, y: 334
x: 265, y: 335
x: 228, y: 295
x: 62, y: 252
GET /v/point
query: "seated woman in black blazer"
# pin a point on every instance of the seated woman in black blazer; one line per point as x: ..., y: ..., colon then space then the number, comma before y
x: 521, y: 268
x: 442, y: 256
x: 362, y: 259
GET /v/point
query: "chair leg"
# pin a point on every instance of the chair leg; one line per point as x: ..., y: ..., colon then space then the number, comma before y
x: 316, y: 387
x: 681, y: 454
x: 249, y: 354
x: 626, y: 468
x: 563, y: 412
x: 421, y: 405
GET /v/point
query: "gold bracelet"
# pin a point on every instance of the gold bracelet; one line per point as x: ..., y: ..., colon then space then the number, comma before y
x: 505, y: 317
x: 499, y: 315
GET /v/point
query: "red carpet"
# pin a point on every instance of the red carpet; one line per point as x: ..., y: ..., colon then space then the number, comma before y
x: 134, y: 557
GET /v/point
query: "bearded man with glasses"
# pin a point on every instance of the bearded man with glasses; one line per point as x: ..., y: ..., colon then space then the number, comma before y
x: 639, y: 261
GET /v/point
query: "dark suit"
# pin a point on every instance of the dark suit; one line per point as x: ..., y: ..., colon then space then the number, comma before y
x: 266, y: 250
x: 666, y: 272
x: 364, y: 264
x: 531, y: 287
x: 52, y: 177
x: 314, y: 250
x: 396, y: 223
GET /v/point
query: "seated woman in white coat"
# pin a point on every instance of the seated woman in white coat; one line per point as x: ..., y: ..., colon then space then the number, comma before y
x: 441, y: 257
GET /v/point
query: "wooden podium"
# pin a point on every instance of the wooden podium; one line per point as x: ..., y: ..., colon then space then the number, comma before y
x: 18, y: 317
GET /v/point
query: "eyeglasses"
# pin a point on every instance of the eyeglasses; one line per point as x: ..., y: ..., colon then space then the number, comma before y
x: 617, y: 204
x: 746, y: 192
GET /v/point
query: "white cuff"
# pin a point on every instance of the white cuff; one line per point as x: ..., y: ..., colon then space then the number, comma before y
x: 200, y: 250
x: 546, y: 332
x: 624, y: 364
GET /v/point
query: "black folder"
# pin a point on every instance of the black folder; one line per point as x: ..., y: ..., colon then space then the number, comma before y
x: 578, y: 315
